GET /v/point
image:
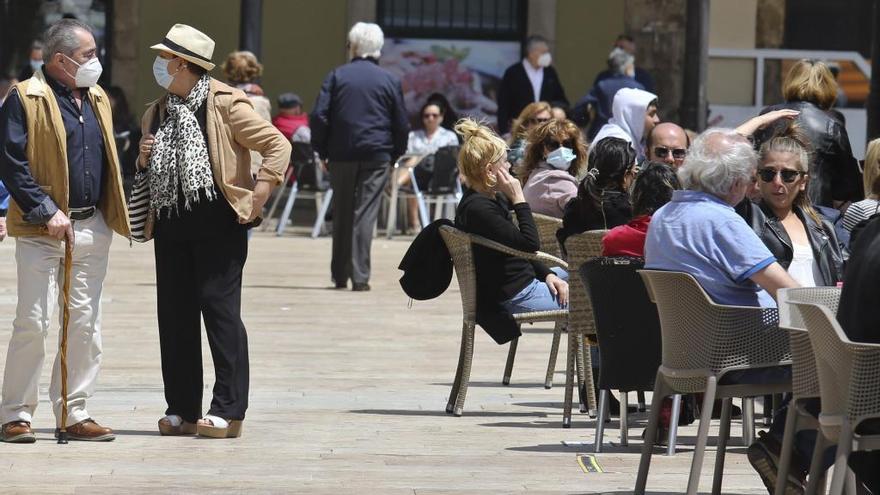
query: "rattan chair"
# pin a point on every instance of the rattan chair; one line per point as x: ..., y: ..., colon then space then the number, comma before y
x: 624, y: 314
x: 547, y: 227
x: 849, y: 384
x: 804, y: 379
x: 579, y: 249
x: 703, y: 341
x: 460, y: 245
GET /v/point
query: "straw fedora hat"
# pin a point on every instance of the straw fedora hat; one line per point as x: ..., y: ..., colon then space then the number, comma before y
x: 189, y: 44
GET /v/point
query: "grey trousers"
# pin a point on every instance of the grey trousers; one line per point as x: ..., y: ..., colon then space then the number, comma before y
x: 357, y: 191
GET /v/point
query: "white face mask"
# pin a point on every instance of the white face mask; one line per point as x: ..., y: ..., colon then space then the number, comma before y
x: 160, y: 72
x: 36, y: 65
x: 560, y: 158
x: 545, y: 60
x: 88, y: 73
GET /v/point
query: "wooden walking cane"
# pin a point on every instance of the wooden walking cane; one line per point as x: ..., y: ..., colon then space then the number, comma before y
x: 65, y: 320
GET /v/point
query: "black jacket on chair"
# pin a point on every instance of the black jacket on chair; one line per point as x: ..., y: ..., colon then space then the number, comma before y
x: 835, y: 172
x: 515, y: 92
x: 826, y: 250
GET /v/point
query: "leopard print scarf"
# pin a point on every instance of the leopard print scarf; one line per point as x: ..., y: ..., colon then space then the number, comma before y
x: 179, y: 159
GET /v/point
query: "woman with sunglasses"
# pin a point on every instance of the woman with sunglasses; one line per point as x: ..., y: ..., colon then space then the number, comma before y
x: 421, y: 144
x: 555, y: 155
x: 802, y: 242
x: 533, y: 114
x: 602, y: 201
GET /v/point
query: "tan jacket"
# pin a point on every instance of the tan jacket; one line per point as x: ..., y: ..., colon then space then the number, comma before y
x: 233, y: 129
x: 47, y: 157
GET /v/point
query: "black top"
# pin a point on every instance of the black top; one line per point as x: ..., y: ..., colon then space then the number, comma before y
x: 834, y: 173
x: 823, y: 241
x: 500, y: 276
x: 580, y: 215
x: 515, y: 92
x: 204, y: 218
x: 642, y: 76
x: 859, y: 313
x: 85, y: 155
x: 360, y: 114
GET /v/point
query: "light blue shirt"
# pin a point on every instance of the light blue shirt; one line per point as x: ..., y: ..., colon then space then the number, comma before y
x: 700, y: 234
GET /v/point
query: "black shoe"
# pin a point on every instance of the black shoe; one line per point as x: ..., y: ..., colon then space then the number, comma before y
x: 360, y: 287
x: 763, y: 455
x: 735, y: 411
x: 341, y: 285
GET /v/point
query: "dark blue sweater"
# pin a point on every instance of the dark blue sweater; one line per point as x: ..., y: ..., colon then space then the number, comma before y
x: 360, y: 114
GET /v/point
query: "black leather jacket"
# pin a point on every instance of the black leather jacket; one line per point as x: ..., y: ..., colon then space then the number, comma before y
x: 835, y: 172
x: 826, y: 250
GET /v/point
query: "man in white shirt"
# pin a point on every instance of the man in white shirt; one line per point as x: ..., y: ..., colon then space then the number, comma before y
x: 533, y: 79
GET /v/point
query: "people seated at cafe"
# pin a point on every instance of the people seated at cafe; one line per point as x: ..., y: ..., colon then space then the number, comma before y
x: 555, y: 155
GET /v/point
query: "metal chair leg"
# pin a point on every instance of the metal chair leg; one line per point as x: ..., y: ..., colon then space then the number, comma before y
x: 791, y: 419
x: 673, y: 425
x: 278, y: 194
x: 844, y: 447
x: 748, y: 420
x: 600, y: 421
x: 624, y: 418
x: 702, y: 436
x: 816, y: 477
x: 288, y: 207
x: 322, y: 213
x: 554, y: 352
x: 640, y: 396
x: 391, y: 221
x: 769, y: 409
x: 511, y: 355
x: 660, y: 390
x: 723, y: 435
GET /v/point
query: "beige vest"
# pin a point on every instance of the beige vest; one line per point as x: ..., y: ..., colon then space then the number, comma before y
x: 47, y: 157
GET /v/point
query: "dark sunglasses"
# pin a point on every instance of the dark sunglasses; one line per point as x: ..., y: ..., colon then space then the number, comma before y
x: 788, y: 176
x: 552, y: 145
x: 663, y: 152
x: 538, y: 121
x: 430, y: 115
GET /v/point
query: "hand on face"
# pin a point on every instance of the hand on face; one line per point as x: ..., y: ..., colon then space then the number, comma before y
x: 505, y: 183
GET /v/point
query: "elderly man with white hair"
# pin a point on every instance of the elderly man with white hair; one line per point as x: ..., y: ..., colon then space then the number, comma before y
x: 359, y: 127
x: 699, y: 233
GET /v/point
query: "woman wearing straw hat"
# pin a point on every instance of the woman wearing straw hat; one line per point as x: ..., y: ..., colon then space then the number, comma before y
x: 196, y: 152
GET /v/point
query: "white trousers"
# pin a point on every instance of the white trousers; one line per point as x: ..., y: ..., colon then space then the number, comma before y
x: 40, y: 262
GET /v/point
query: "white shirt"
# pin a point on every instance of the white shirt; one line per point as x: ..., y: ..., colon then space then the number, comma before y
x: 536, y: 77
x: 803, y: 268
x: 420, y: 144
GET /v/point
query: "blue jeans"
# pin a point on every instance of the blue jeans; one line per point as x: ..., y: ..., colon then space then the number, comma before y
x: 535, y: 297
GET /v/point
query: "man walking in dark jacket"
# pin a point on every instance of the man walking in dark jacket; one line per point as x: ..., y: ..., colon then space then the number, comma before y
x: 359, y: 126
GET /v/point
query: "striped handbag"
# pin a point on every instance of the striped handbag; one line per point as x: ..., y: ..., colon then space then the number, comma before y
x: 139, y: 213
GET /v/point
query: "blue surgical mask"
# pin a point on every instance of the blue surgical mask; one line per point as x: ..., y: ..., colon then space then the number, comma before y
x: 560, y: 158
x: 36, y: 65
x: 160, y: 72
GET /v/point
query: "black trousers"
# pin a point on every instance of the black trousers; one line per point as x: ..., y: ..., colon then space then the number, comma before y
x: 357, y: 191
x: 201, y: 278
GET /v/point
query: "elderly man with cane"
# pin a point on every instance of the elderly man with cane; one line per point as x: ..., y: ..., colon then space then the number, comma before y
x: 59, y: 162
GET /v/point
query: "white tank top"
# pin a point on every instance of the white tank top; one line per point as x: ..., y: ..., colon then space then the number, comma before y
x: 804, y: 268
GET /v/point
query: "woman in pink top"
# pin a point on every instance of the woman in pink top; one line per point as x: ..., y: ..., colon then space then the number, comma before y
x: 555, y: 155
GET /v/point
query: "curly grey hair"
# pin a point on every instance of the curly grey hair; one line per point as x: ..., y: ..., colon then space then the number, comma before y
x: 716, y: 161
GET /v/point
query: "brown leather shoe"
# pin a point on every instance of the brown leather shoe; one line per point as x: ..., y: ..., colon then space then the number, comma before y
x: 89, y: 431
x: 18, y: 432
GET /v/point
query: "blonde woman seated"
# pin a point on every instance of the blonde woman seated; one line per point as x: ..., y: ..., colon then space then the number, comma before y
x: 555, y: 155
x: 516, y: 284
x: 866, y: 208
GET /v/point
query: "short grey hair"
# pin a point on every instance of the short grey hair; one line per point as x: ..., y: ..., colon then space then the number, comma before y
x: 61, y: 38
x: 534, y: 40
x: 366, y: 40
x: 716, y: 160
x: 619, y: 60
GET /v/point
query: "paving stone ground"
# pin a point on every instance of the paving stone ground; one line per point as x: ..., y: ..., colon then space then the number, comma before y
x: 347, y: 396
